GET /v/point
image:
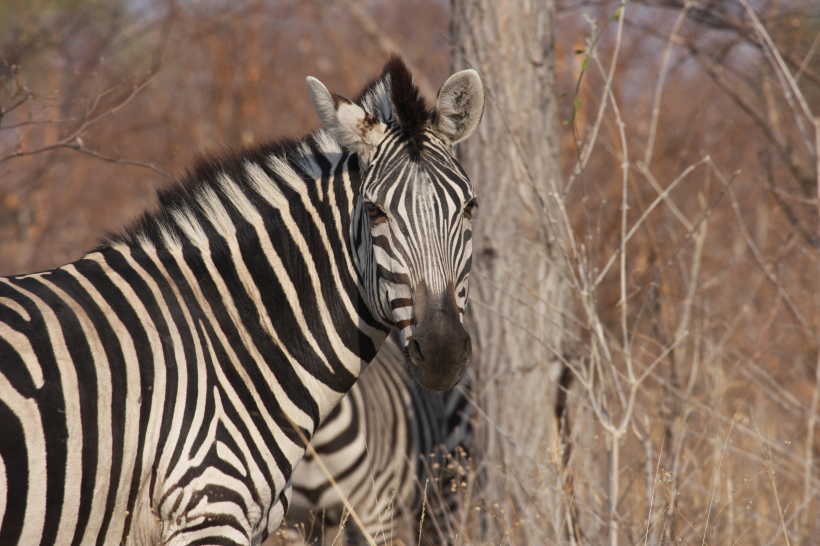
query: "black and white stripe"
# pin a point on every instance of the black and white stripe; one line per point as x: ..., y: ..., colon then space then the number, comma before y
x: 153, y: 392
x: 381, y: 444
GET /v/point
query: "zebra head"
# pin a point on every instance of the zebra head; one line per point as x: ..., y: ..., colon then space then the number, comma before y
x: 410, y: 232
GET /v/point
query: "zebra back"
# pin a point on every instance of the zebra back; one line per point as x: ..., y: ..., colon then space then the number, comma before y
x: 381, y: 445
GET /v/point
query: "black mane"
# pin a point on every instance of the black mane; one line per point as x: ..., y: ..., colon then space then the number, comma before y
x: 182, y: 194
x: 409, y: 109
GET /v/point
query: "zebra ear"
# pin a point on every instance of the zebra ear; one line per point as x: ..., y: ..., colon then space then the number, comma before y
x: 459, y: 106
x: 354, y: 129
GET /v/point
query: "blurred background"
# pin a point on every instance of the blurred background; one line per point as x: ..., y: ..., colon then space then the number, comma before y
x: 697, y: 116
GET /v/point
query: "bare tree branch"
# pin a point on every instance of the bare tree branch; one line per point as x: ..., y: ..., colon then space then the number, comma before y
x: 120, y: 161
x: 73, y: 140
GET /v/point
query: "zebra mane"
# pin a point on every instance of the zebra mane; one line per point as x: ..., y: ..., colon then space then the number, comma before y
x: 206, y: 189
x: 394, y: 97
x: 221, y: 184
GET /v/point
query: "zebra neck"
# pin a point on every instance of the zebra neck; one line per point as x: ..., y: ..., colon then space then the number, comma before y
x: 260, y: 254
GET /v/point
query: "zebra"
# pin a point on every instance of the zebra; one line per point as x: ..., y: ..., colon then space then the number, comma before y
x: 161, y: 389
x: 381, y: 444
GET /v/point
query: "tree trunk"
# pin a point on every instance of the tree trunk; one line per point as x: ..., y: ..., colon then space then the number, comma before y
x: 518, y: 292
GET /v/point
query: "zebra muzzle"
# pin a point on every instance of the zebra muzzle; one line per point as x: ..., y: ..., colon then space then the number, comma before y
x: 440, y: 347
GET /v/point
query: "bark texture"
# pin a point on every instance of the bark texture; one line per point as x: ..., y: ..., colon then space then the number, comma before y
x: 518, y: 292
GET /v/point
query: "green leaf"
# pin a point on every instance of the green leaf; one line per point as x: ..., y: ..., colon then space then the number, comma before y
x: 585, y: 64
x: 578, y: 102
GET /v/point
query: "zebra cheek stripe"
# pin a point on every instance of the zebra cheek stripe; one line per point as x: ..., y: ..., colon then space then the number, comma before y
x: 158, y: 390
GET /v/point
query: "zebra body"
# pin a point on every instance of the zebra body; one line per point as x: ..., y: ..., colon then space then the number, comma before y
x: 157, y: 390
x: 380, y: 445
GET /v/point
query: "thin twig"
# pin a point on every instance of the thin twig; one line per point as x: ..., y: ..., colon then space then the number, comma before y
x: 656, y: 106
x: 73, y: 140
x: 652, y: 500
x: 768, y: 270
x: 587, y: 151
x: 332, y: 481
x: 120, y: 161
x: 423, y: 507
x: 791, y: 91
x: 656, y: 281
x: 646, y: 213
x: 720, y: 464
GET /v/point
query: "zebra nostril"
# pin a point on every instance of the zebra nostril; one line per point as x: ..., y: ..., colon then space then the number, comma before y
x: 416, y: 355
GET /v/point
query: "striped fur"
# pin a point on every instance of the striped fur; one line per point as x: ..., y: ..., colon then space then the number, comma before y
x: 154, y: 391
x: 381, y: 444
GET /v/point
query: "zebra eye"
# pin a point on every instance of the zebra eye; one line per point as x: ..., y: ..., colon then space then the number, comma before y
x: 375, y: 213
x: 468, y: 208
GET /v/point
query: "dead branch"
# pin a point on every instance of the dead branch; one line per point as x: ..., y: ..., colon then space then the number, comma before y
x: 73, y: 140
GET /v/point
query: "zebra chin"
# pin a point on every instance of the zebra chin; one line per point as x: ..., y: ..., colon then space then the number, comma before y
x: 440, y: 347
